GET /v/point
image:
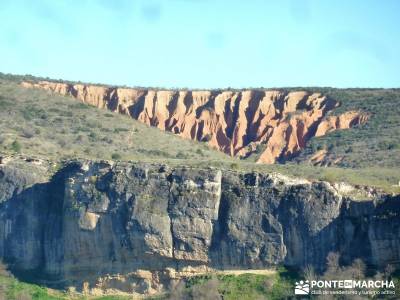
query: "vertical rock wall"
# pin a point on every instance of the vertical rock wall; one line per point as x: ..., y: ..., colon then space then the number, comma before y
x: 136, y: 227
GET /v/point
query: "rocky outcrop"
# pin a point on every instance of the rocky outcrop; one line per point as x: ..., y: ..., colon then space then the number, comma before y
x: 137, y: 227
x: 237, y: 123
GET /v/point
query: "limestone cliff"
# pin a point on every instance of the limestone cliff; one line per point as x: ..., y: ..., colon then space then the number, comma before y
x: 138, y: 227
x: 232, y: 122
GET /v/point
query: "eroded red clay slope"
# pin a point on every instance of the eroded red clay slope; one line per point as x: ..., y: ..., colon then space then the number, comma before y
x: 232, y: 122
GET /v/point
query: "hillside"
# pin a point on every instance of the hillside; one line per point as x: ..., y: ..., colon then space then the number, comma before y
x: 276, y: 123
x: 265, y: 126
x: 36, y: 123
x: 374, y: 144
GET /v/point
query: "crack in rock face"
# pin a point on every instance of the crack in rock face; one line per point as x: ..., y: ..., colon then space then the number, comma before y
x: 236, y: 123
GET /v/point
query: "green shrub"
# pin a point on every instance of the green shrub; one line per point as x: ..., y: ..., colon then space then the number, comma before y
x: 31, y: 112
x: 78, y: 106
x: 92, y: 135
x: 234, y: 166
x: 116, y: 156
x: 349, y: 150
x: 200, y: 152
x: 5, y: 103
x: 16, y: 146
x: 118, y: 130
x: 107, y: 140
x: 181, y: 155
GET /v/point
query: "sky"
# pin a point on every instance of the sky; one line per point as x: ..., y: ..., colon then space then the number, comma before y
x: 204, y: 43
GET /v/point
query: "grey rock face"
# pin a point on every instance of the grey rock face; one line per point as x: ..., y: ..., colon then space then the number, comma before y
x: 96, y: 222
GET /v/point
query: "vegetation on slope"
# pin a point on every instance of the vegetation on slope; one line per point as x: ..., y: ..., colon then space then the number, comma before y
x: 269, y: 285
x: 38, y: 124
x: 244, y: 286
x: 280, y: 285
x: 374, y: 144
x: 232, y: 287
x: 13, y: 289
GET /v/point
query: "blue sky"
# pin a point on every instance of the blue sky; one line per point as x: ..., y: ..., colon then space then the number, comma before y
x: 204, y: 43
